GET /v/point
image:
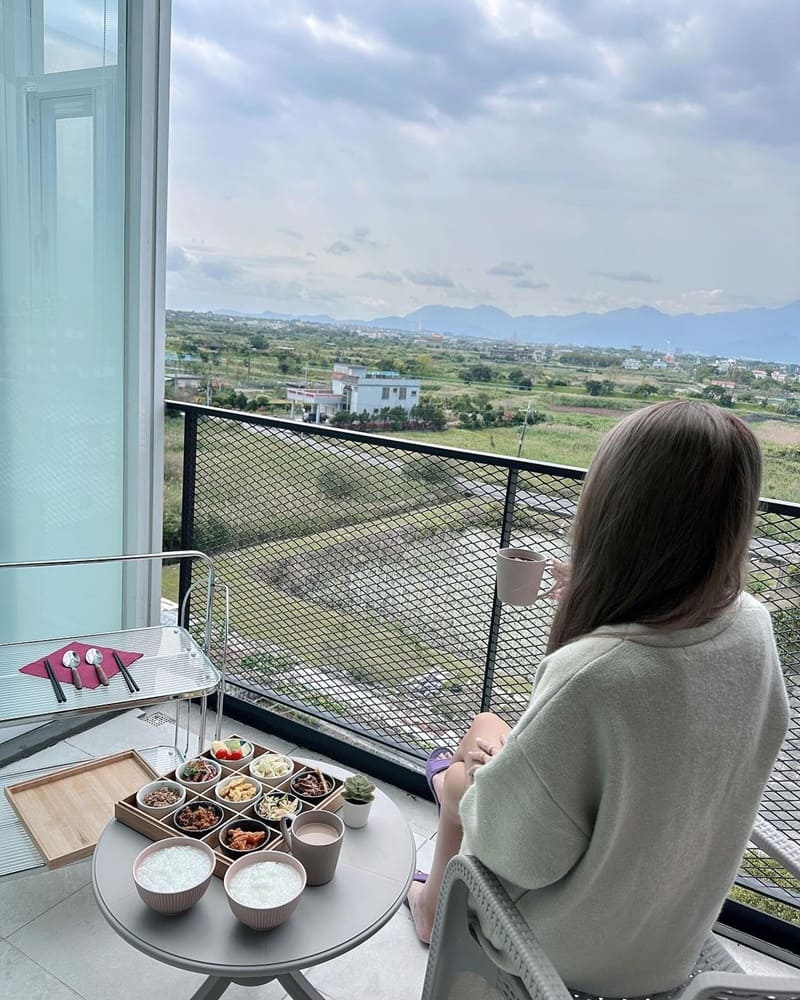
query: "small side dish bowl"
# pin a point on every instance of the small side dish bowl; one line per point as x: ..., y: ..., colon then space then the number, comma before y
x: 271, y: 768
x: 163, y: 788
x: 307, y: 780
x: 235, y: 833
x: 225, y: 751
x: 185, y: 773
x: 273, y: 806
x: 177, y: 895
x: 238, y: 790
x: 189, y: 819
x: 267, y: 913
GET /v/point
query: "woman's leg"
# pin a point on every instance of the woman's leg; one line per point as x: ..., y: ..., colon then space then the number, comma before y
x: 450, y: 787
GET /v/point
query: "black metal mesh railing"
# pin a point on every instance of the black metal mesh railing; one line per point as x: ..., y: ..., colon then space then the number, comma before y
x: 361, y: 572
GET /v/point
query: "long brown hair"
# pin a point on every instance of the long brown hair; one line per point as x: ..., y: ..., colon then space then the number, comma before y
x: 664, y: 519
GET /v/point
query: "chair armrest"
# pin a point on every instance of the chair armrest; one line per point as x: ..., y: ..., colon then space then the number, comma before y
x: 492, y: 903
x: 770, y: 840
x: 729, y: 986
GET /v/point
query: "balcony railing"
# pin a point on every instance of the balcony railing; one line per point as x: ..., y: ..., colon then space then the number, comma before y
x: 361, y: 572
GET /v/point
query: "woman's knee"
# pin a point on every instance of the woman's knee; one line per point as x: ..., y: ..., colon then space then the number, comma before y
x: 487, y: 725
x: 486, y: 719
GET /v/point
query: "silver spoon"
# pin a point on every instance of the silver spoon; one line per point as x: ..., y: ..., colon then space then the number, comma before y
x: 95, y: 658
x: 72, y: 661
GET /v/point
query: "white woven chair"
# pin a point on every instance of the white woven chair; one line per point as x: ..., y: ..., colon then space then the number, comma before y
x: 459, y: 968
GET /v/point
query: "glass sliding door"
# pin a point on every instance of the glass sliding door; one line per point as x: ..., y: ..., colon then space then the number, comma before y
x: 65, y: 384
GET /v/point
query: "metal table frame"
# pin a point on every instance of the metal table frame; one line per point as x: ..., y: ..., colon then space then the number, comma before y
x: 100, y: 700
x: 173, y: 668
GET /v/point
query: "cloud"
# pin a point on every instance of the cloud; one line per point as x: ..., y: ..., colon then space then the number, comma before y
x: 430, y: 279
x: 724, y: 66
x: 338, y: 248
x: 487, y: 130
x: 361, y: 234
x: 635, y: 276
x: 509, y: 269
x: 220, y: 269
x: 529, y: 283
x: 391, y: 277
x: 177, y: 258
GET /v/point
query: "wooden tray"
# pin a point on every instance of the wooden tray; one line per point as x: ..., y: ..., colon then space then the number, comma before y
x: 65, y: 811
x: 127, y: 811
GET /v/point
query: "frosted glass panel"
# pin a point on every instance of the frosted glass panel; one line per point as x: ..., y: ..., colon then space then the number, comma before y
x: 74, y: 218
x: 79, y: 34
x: 62, y: 370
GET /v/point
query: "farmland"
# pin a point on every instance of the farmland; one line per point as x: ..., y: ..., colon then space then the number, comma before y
x: 481, y: 389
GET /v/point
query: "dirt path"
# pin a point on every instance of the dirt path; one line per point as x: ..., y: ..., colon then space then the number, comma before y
x: 777, y: 431
x: 598, y: 411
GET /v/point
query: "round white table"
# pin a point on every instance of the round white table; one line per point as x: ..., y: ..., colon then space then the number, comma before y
x: 375, y: 870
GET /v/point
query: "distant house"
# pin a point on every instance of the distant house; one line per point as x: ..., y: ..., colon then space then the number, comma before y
x: 724, y: 384
x: 660, y: 364
x: 354, y: 389
x: 778, y: 376
x: 183, y: 380
x: 632, y: 364
x: 759, y: 373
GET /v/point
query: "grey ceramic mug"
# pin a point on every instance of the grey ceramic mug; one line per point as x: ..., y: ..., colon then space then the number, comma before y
x: 315, y: 839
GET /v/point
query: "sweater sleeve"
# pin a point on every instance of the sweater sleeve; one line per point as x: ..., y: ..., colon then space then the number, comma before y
x: 514, y: 824
x: 530, y: 814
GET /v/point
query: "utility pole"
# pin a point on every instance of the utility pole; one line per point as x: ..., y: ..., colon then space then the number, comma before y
x: 524, y: 428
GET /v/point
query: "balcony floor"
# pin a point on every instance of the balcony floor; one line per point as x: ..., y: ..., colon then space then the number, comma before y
x: 54, y: 943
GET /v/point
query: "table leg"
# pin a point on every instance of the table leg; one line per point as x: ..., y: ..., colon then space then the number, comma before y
x: 212, y: 989
x: 201, y: 735
x: 298, y: 987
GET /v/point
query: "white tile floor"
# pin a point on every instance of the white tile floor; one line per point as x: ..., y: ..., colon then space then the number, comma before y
x: 54, y: 943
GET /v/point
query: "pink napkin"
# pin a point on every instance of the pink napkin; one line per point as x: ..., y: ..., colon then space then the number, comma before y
x: 86, y: 670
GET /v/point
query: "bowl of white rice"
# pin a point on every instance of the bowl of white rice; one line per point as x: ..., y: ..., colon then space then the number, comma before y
x: 264, y: 888
x: 172, y: 875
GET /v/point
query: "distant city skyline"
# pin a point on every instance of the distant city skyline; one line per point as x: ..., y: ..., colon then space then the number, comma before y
x: 363, y: 159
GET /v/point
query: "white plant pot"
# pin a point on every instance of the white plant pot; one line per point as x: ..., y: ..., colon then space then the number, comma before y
x: 355, y: 814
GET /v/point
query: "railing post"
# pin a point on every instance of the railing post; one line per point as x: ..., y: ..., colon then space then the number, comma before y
x: 494, y: 624
x: 187, y: 504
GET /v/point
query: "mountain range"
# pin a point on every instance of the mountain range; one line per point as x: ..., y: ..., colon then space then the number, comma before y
x: 759, y: 333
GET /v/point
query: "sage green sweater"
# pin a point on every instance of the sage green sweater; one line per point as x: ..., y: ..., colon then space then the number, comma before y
x: 618, y: 810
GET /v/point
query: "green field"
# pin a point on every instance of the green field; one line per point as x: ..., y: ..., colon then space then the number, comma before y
x: 248, y: 364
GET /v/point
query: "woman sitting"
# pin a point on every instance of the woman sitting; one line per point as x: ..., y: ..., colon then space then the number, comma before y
x: 617, y: 809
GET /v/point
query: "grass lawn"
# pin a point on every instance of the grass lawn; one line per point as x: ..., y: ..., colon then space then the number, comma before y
x: 269, y: 613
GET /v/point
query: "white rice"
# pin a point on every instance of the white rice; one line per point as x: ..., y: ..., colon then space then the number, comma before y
x: 267, y: 883
x: 173, y: 869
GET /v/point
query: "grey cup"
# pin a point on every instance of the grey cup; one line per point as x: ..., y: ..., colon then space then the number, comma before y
x: 319, y: 856
x: 519, y: 575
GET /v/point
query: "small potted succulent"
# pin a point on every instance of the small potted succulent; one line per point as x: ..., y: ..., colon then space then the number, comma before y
x: 357, y: 795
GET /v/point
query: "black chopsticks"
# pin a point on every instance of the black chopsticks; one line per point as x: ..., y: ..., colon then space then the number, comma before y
x: 132, y: 685
x: 59, y: 691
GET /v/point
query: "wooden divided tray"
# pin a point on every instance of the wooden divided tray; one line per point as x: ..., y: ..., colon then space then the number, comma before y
x: 65, y: 811
x: 128, y: 812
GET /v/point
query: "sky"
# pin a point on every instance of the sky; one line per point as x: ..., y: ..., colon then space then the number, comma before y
x: 364, y: 158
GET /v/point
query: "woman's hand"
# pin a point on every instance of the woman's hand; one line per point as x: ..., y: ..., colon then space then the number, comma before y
x: 483, y: 755
x: 560, y: 572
